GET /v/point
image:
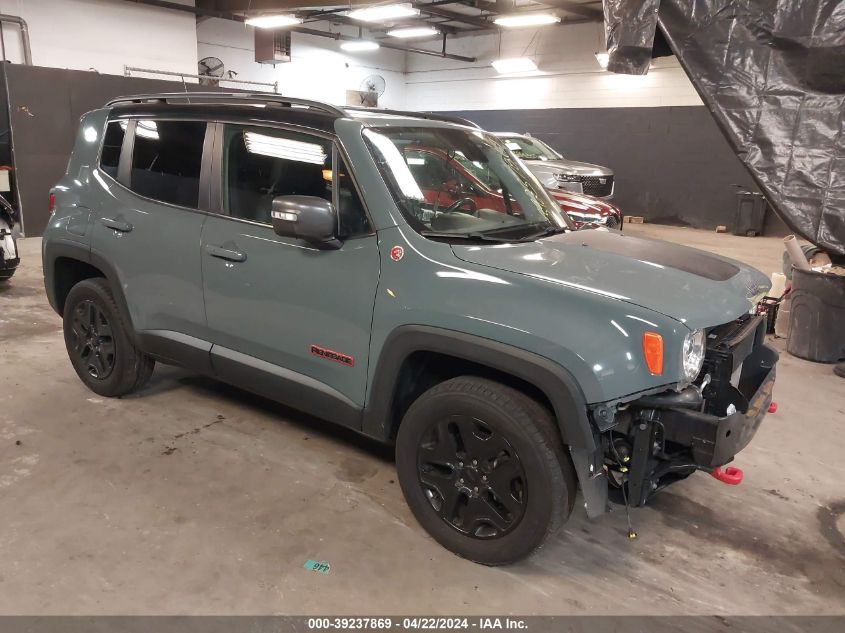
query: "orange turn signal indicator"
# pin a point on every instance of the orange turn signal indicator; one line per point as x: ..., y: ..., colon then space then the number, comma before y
x: 653, y: 352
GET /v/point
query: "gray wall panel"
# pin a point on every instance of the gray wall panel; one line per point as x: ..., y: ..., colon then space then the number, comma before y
x: 672, y: 164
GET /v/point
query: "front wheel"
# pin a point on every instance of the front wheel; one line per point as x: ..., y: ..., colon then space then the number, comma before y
x: 483, y: 470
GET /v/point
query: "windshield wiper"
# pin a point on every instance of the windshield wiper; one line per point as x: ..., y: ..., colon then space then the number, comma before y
x: 472, y: 235
x: 546, y: 232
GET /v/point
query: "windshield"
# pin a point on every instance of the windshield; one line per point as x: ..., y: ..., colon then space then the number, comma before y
x: 530, y: 148
x: 462, y: 183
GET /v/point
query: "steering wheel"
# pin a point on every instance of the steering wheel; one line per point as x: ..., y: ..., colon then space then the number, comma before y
x: 455, y: 206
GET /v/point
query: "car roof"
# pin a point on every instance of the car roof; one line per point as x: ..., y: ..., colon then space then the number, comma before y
x: 265, y: 107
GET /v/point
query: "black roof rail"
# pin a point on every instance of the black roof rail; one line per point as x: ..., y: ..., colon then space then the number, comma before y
x: 431, y: 116
x: 231, y: 97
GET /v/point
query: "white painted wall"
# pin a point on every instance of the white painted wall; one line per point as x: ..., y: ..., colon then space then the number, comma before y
x: 319, y: 69
x: 568, y: 75
x: 108, y: 34
x: 102, y: 34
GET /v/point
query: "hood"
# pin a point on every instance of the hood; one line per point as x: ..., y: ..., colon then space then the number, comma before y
x: 695, y: 287
x: 570, y: 167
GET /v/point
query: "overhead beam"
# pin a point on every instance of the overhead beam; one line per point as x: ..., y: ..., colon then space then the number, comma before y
x: 455, y: 16
x: 575, y: 8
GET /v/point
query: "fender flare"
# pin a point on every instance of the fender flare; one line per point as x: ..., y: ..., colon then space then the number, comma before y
x: 54, y: 249
x: 553, y: 380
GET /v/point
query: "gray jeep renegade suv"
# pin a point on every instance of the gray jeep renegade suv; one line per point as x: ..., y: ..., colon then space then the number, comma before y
x: 313, y: 255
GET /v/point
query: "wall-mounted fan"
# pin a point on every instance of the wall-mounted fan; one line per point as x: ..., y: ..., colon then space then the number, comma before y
x: 210, y: 69
x: 373, y: 83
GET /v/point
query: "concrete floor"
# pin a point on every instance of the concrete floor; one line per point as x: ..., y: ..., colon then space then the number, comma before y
x: 195, y: 498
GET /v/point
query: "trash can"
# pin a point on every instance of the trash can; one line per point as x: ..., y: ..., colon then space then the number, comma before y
x: 750, y: 215
x: 817, y: 316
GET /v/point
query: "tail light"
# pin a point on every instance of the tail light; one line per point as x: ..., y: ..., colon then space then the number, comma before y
x: 52, y: 206
x: 653, y: 352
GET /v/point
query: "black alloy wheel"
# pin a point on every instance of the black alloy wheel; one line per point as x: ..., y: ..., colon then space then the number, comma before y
x: 483, y: 469
x: 472, y: 476
x: 99, y: 341
x: 92, y: 340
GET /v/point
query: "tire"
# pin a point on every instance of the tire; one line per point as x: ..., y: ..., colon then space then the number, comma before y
x: 521, y: 488
x: 98, y: 343
x: 6, y: 274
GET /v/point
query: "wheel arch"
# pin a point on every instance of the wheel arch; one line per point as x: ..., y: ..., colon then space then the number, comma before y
x: 68, y: 263
x: 398, y: 362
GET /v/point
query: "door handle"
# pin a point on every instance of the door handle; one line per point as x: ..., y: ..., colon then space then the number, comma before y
x: 225, y: 253
x: 117, y: 225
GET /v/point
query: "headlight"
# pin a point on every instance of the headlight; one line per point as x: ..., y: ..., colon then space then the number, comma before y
x: 568, y: 177
x: 693, y: 355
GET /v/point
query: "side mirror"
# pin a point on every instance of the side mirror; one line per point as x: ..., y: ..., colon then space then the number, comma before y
x: 308, y: 218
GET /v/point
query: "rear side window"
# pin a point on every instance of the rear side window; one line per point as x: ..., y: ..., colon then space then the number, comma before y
x: 112, y: 144
x: 166, y: 161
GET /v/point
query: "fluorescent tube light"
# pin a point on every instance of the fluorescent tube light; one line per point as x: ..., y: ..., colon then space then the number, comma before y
x: 384, y: 12
x: 143, y: 128
x: 284, y: 148
x: 273, y: 21
x: 518, y: 20
x: 359, y: 45
x: 413, y: 31
x: 602, y: 59
x: 514, y: 65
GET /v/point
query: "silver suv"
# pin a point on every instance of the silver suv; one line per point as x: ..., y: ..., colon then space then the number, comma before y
x: 557, y: 172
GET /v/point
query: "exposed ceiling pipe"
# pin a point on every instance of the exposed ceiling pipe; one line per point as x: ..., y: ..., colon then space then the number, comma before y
x: 27, y: 49
x: 165, y: 4
x: 383, y: 44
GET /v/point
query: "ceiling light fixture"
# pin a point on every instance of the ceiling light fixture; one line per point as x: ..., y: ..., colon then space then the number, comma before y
x: 359, y: 45
x: 519, y: 20
x: 514, y: 65
x: 284, y: 148
x: 413, y: 31
x: 272, y: 21
x: 602, y: 59
x: 384, y: 12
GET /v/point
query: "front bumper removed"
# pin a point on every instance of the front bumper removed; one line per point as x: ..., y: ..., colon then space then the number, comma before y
x: 669, y: 436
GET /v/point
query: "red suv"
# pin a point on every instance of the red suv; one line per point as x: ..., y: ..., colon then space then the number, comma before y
x: 449, y: 179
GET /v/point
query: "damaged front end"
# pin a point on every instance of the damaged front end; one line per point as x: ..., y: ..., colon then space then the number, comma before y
x: 659, y: 439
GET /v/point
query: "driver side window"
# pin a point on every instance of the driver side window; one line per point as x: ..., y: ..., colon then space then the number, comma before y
x: 260, y: 164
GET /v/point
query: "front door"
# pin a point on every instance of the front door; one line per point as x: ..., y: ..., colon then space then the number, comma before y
x: 286, y: 319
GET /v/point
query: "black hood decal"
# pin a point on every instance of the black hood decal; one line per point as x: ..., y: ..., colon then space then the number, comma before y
x: 660, y: 253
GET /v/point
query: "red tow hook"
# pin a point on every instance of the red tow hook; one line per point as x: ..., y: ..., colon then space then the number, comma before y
x: 773, y: 408
x: 731, y: 475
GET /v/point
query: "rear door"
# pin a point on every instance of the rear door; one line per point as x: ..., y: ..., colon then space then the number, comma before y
x: 287, y: 319
x: 147, y: 225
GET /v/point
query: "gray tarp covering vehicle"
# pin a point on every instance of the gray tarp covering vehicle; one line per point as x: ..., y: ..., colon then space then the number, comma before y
x: 772, y: 72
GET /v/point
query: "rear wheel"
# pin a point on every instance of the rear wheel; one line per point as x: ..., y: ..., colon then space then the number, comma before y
x: 483, y: 469
x: 98, y: 342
